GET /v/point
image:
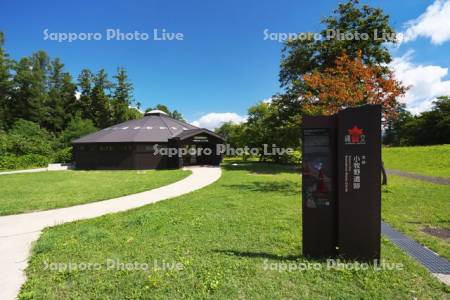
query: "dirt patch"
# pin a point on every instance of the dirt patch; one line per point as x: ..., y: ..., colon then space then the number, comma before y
x: 438, y: 232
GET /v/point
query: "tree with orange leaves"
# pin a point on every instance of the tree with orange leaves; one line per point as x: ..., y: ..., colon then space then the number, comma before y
x: 351, y: 82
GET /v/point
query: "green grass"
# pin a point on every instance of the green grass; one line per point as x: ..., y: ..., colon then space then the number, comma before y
x: 46, y: 190
x: 223, y: 235
x: 426, y: 160
x: 410, y: 205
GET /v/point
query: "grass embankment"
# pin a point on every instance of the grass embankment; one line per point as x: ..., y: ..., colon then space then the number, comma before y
x: 413, y: 206
x: 21, y: 193
x: 425, y: 160
x: 224, y: 236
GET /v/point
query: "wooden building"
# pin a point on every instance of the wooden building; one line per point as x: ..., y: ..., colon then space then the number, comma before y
x: 133, y: 145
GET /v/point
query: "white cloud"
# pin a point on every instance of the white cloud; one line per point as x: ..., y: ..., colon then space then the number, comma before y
x: 426, y: 82
x: 434, y: 23
x: 215, y: 120
x: 77, y: 95
x: 268, y: 100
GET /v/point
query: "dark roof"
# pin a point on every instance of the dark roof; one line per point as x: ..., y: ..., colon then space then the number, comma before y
x: 185, y: 134
x: 153, y: 127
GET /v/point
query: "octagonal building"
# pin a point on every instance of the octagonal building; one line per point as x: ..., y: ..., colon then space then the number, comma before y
x: 132, y: 144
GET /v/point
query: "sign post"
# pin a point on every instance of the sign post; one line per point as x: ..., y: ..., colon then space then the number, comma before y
x: 342, y: 184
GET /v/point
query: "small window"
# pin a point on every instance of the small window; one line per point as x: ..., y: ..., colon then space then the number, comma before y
x: 106, y: 148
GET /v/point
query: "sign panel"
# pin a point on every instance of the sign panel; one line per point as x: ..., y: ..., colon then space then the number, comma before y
x: 359, y: 182
x: 318, y: 189
x: 319, y: 192
x: 342, y: 185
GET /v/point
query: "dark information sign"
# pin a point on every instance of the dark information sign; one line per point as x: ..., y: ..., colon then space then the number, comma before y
x: 317, y: 168
x: 319, y: 196
x: 341, y: 184
x: 359, y: 172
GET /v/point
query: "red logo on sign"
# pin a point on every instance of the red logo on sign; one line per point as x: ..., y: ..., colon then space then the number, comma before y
x: 355, y: 134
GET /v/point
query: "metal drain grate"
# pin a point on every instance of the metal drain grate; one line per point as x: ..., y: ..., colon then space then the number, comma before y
x: 432, y: 261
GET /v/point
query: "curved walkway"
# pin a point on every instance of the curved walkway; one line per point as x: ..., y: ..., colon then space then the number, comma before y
x: 18, y: 232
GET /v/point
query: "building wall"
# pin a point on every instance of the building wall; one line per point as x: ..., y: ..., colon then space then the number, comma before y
x: 139, y: 156
x: 209, y: 142
x: 144, y: 157
x: 117, y: 156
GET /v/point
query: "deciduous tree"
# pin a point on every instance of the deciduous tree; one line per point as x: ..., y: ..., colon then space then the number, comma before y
x: 351, y: 82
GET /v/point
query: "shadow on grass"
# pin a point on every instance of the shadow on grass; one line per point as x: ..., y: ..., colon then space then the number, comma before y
x: 259, y: 167
x: 270, y: 256
x: 259, y: 255
x: 287, y: 188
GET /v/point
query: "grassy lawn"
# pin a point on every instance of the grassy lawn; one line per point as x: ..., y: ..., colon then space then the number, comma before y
x: 46, y: 190
x: 426, y: 160
x: 224, y: 236
x: 412, y: 205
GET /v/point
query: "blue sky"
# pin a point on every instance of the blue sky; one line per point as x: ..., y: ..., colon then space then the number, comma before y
x: 223, y: 65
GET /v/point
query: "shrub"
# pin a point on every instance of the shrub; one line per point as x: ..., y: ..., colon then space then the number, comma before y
x: 63, y: 156
x: 9, y: 162
x: 76, y: 128
x: 294, y: 158
x: 28, y: 138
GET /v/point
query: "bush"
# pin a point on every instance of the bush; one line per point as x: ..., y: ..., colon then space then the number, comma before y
x: 5, y: 143
x: 76, y: 128
x: 63, y: 156
x: 10, y: 162
x: 28, y: 138
x: 294, y: 158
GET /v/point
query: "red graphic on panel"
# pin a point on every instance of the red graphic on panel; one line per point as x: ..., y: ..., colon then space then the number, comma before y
x: 322, y: 188
x: 355, y: 134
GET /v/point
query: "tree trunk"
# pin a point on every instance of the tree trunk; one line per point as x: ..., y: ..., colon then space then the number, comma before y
x: 383, y: 171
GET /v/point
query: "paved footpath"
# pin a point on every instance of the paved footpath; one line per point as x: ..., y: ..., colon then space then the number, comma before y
x: 432, y: 179
x: 18, y: 232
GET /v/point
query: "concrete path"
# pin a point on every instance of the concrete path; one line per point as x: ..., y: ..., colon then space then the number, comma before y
x: 18, y: 232
x: 24, y: 171
x: 51, y: 167
x: 432, y: 179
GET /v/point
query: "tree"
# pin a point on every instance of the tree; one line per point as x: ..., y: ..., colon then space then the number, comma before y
x: 122, y: 97
x: 173, y: 114
x: 351, y: 82
x: 266, y: 126
x: 76, y: 128
x: 430, y: 127
x: 85, y: 100
x: 307, y: 55
x: 394, y: 130
x: 54, y: 115
x: 5, y: 84
x: 134, y: 113
x: 101, y: 100
x: 234, y: 134
x: 68, y: 94
x: 61, y: 98
x: 29, y: 89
